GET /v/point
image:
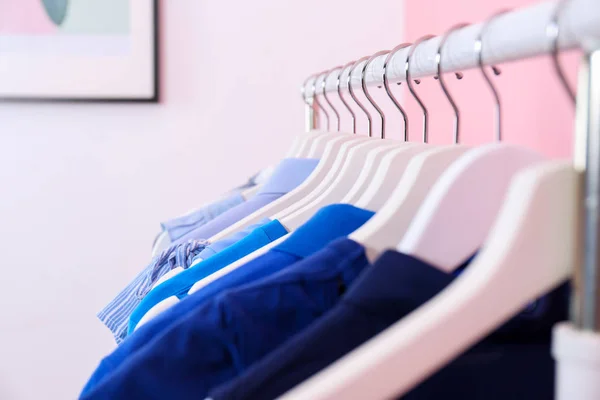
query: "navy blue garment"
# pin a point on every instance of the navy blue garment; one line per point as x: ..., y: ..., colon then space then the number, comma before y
x: 512, y: 363
x: 329, y: 223
x: 225, y: 335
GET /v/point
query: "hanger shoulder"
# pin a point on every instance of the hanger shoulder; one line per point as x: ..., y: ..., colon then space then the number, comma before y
x: 389, y: 173
x: 369, y: 172
x: 333, y: 150
x: 458, y: 212
x: 524, y: 258
x: 303, y: 143
x: 236, y: 264
x: 343, y: 182
x: 387, y: 227
x: 327, y: 180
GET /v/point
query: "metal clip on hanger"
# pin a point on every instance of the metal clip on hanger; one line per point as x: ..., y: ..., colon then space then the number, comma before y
x: 392, y: 168
x: 362, y: 160
x: 339, y: 92
x: 388, y: 90
x: 383, y: 162
x: 412, y: 89
x: 324, y: 94
x: 523, y: 257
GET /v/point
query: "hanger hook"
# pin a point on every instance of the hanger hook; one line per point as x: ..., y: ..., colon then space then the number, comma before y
x: 324, y: 92
x: 339, y: 91
x: 411, y: 88
x: 316, y: 100
x: 440, y: 78
x: 353, y: 95
x: 553, y: 31
x: 386, y: 85
x: 362, y: 107
x: 366, y: 91
x: 496, y: 70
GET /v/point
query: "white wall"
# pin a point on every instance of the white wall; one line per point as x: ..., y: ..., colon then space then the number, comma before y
x: 85, y: 186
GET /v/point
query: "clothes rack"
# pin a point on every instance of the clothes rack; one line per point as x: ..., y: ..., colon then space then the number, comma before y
x: 512, y: 36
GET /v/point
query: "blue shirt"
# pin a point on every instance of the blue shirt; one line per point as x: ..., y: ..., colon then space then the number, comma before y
x: 180, y: 284
x: 222, y: 244
x: 115, y: 315
x: 235, y: 329
x: 512, y: 363
x: 328, y: 224
x: 290, y: 173
x: 179, y: 226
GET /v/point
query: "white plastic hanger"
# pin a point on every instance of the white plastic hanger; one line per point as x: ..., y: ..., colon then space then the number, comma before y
x: 370, y: 172
x: 392, y: 220
x: 524, y: 257
x: 394, y: 166
x: 467, y: 196
x: 236, y: 264
x: 408, y: 189
x: 461, y: 207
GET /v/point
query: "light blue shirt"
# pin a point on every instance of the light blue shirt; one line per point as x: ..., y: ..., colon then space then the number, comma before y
x: 179, y: 226
x: 290, y: 173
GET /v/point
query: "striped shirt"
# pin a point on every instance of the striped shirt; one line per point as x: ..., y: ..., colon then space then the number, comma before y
x: 116, y: 314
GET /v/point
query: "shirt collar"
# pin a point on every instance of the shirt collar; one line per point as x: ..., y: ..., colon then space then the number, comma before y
x: 290, y: 173
x: 328, y: 224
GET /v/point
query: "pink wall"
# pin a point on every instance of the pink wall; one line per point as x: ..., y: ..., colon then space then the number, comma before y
x: 537, y: 113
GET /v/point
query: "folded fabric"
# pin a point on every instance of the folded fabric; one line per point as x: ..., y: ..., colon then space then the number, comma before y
x: 115, y: 315
x: 176, y: 227
x: 327, y: 225
x: 514, y: 362
x: 179, y: 226
x: 182, y: 282
x: 235, y: 329
x: 290, y: 173
x: 219, y: 246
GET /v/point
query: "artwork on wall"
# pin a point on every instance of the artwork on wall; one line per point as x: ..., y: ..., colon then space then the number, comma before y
x: 79, y: 50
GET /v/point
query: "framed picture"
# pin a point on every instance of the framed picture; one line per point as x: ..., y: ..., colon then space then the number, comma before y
x: 88, y: 50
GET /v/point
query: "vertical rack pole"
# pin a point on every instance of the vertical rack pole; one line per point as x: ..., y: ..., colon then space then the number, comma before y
x: 576, y: 345
x: 587, y: 282
x: 310, y: 115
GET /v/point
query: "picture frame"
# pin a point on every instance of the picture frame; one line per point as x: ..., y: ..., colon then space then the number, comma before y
x: 79, y: 50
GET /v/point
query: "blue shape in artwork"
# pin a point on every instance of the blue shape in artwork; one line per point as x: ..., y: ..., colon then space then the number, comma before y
x: 56, y: 10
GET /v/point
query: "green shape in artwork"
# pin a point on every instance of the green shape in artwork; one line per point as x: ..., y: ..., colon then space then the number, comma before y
x: 56, y: 10
x: 98, y: 17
